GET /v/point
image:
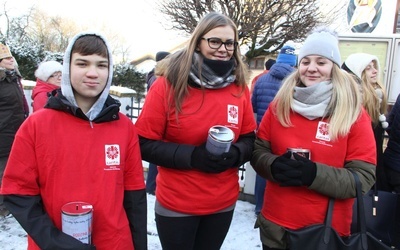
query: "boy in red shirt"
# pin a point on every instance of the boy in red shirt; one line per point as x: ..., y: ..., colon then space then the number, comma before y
x: 79, y: 148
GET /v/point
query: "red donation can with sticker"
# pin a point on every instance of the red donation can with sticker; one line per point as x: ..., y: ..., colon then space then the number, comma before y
x: 76, y: 220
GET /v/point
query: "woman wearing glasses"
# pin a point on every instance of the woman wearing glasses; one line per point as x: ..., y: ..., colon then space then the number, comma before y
x: 203, y: 85
x: 48, y: 78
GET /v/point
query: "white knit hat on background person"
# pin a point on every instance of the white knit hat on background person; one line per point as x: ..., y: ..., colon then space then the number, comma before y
x: 357, y: 62
x: 323, y: 42
x: 46, y: 69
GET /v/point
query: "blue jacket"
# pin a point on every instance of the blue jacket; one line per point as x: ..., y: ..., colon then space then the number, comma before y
x: 267, y: 86
x: 391, y: 155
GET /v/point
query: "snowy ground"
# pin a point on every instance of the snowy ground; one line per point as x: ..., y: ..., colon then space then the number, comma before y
x: 241, y: 235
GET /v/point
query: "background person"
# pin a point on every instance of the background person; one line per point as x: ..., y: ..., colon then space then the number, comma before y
x: 152, y: 171
x: 391, y: 160
x: 204, y: 85
x: 318, y: 108
x: 264, y: 92
x: 267, y: 65
x: 89, y: 152
x: 366, y: 68
x: 392, y: 152
x: 48, y: 78
x: 13, y: 109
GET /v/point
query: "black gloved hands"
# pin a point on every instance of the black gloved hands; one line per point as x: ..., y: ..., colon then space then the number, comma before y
x: 209, y: 163
x: 231, y: 158
x: 289, y: 172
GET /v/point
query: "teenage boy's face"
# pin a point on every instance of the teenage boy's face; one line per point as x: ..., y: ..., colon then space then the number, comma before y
x: 89, y: 76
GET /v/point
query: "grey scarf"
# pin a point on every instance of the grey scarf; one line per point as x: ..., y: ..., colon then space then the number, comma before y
x: 209, y: 79
x: 312, y: 102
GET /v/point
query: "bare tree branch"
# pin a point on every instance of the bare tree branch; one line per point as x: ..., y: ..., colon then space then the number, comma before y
x: 264, y: 26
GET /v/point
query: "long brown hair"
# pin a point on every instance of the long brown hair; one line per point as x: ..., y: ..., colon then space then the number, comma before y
x: 179, y: 63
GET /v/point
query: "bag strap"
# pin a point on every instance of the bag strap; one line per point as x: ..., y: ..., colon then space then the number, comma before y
x: 328, y: 221
x: 329, y: 213
x: 361, y: 221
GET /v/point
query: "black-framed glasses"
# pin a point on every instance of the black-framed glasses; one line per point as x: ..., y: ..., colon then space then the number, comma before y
x: 216, y: 43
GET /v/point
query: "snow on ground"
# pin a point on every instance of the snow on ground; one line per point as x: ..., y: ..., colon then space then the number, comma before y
x: 241, y: 236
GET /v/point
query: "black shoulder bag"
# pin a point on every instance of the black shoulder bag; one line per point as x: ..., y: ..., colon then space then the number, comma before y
x: 382, y: 214
x: 324, y: 237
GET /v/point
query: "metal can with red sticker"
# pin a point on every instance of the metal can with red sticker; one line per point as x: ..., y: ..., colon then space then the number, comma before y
x: 76, y: 220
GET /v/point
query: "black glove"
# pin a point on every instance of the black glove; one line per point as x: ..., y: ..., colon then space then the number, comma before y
x: 230, y: 159
x: 209, y: 163
x: 282, y: 164
x: 289, y: 172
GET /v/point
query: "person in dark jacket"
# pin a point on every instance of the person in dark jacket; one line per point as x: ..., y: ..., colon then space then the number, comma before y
x: 13, y: 109
x: 391, y: 156
x: 151, y: 76
x: 152, y: 171
x: 264, y: 92
x: 267, y: 65
x: 79, y: 148
x: 391, y: 160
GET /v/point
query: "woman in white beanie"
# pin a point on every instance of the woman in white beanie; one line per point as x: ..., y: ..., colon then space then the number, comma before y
x: 48, y: 78
x: 366, y: 68
x: 319, y: 110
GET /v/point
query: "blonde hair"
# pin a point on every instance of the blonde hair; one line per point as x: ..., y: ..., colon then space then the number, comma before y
x: 371, y: 101
x: 179, y: 63
x: 343, y: 109
x: 161, y: 67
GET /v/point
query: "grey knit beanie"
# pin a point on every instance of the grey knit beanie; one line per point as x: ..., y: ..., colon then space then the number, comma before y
x: 322, y: 42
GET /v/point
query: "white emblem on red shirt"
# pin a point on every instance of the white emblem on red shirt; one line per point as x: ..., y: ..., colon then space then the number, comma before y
x: 323, y: 131
x: 233, y: 114
x: 113, y: 155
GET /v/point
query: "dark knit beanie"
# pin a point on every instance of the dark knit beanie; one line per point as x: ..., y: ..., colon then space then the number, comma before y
x: 269, y: 63
x: 161, y: 55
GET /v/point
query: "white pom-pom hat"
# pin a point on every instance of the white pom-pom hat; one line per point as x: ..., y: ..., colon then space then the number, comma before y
x: 46, y: 69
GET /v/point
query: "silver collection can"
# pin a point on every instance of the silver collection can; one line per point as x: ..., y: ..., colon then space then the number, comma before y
x: 219, y: 139
x: 300, y: 151
x: 76, y: 220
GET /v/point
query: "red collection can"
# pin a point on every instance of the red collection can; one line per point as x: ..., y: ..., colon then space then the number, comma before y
x: 76, y: 219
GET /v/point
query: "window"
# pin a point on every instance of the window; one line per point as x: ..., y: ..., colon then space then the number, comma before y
x: 257, y: 63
